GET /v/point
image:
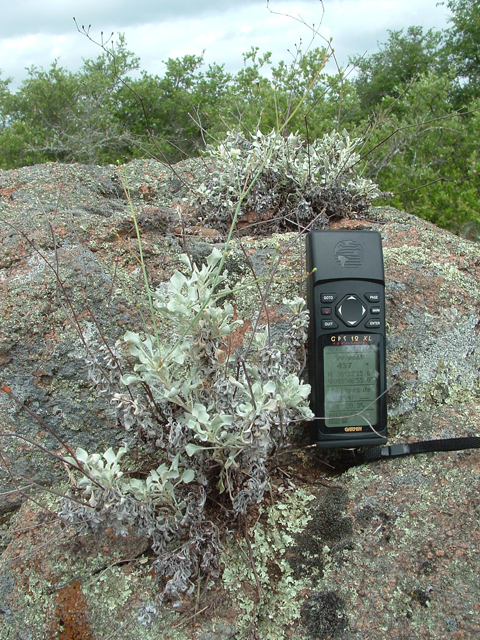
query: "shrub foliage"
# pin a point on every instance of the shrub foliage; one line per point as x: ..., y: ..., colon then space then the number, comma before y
x: 414, y: 105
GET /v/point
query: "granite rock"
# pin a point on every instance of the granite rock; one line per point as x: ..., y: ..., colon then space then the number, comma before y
x: 341, y: 551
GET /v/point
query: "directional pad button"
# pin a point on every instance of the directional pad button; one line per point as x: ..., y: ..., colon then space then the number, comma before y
x: 351, y: 310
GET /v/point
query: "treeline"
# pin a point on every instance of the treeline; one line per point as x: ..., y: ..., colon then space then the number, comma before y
x: 415, y: 104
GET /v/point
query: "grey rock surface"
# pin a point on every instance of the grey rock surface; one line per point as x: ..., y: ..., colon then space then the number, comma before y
x: 389, y: 550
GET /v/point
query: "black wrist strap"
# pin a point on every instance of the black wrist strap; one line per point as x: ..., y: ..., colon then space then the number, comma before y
x: 394, y: 450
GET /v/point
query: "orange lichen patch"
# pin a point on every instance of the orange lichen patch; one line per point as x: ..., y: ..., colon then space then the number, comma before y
x: 60, y: 231
x: 250, y: 218
x: 7, y: 192
x: 347, y: 223
x: 268, y: 315
x: 183, y: 209
x: 204, y: 232
x: 146, y: 190
x: 70, y: 621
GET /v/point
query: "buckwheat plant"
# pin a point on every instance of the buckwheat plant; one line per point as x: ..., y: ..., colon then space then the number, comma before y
x: 222, y: 414
x: 290, y: 181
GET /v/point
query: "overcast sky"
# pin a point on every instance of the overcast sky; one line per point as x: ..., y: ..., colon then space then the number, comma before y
x: 36, y: 33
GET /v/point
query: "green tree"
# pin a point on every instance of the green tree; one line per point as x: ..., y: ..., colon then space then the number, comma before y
x: 57, y: 115
x: 320, y: 101
x: 401, y: 60
x: 463, y: 46
x: 37, y: 108
x: 263, y: 96
x: 171, y: 115
x: 427, y: 155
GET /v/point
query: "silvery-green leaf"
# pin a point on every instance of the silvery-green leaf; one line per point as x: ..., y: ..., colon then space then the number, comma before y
x: 121, y: 452
x: 188, y: 475
x: 179, y: 357
x: 200, y: 413
x: 136, y: 483
x: 169, y: 488
x: 214, y: 257
x: 270, y: 387
x: 132, y: 338
x: 162, y: 471
x: 175, y: 461
x: 153, y: 476
x: 271, y: 405
x: 178, y: 280
x: 183, y: 257
x: 129, y: 378
x: 192, y: 449
x: 110, y: 456
x: 81, y: 454
x: 226, y: 419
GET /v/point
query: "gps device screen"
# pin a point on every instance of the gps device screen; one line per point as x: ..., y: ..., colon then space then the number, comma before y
x: 351, y: 379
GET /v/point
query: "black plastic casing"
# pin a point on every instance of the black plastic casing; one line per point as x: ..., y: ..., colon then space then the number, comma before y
x: 346, y: 301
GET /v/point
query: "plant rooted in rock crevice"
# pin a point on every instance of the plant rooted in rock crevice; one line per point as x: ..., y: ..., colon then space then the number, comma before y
x: 224, y: 413
x: 289, y: 182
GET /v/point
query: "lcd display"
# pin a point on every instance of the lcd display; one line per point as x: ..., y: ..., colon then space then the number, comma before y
x: 351, y: 385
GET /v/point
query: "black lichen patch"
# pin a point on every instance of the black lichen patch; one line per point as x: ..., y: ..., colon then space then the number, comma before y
x: 420, y: 596
x: 329, y: 526
x: 365, y: 514
x: 329, y: 521
x: 323, y: 615
x: 427, y: 567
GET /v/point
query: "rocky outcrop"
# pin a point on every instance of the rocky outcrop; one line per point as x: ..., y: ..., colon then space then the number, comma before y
x: 388, y: 550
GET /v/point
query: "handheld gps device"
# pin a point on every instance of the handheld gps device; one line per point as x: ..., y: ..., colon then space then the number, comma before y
x: 346, y: 300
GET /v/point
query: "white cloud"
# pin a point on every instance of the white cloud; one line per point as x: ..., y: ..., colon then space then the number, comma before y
x: 37, y: 33
x: 54, y: 16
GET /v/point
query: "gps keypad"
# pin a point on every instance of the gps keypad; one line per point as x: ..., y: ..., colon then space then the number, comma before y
x: 351, y: 310
x: 361, y: 309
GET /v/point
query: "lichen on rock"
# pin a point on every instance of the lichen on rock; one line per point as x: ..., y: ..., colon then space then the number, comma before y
x: 392, y: 553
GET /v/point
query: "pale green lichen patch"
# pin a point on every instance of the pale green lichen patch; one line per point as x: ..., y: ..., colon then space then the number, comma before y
x: 431, y: 261
x: 407, y: 255
x: 412, y: 564
x: 281, y: 256
x: 445, y: 370
x: 277, y: 599
x: 453, y: 274
x: 121, y: 601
